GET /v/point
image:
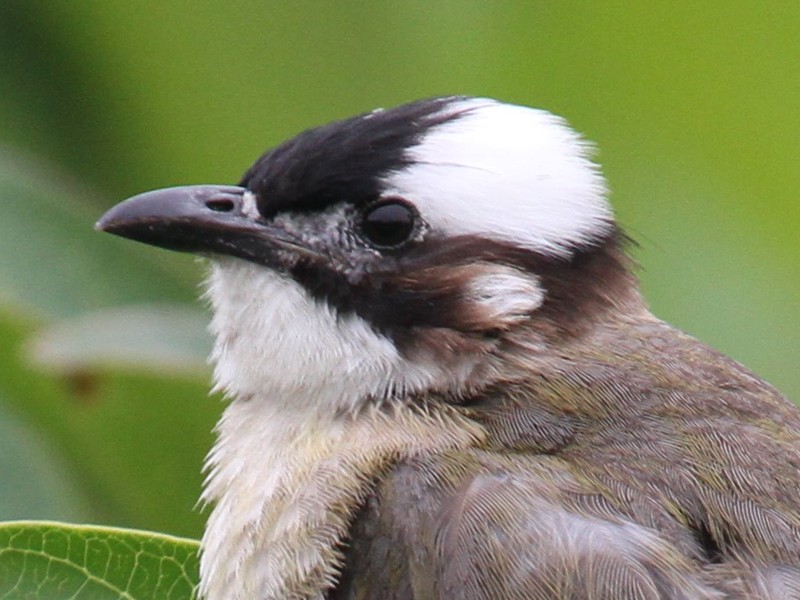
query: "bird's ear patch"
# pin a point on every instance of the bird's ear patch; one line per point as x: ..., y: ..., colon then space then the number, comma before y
x: 499, y: 296
x: 477, y: 297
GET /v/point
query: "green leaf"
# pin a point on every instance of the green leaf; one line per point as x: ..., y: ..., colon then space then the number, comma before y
x: 123, y: 437
x: 166, y: 339
x: 135, y: 442
x: 37, y: 481
x: 46, y: 560
x: 55, y: 264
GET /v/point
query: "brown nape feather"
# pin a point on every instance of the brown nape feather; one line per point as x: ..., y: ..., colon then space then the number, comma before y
x: 596, y: 285
x: 627, y: 462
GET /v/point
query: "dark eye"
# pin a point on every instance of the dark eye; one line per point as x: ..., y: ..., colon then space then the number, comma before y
x: 389, y: 223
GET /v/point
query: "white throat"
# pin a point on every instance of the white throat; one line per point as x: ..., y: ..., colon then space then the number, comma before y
x: 298, y: 448
x: 273, y: 339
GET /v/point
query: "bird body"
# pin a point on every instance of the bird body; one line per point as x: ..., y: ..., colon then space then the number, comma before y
x: 444, y: 382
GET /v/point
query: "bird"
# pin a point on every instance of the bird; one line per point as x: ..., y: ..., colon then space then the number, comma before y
x: 443, y: 381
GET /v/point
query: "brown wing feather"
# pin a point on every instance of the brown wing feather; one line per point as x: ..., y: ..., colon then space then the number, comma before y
x: 483, y: 526
x: 634, y: 464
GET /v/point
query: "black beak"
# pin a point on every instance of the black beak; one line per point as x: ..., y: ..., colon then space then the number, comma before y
x: 196, y: 218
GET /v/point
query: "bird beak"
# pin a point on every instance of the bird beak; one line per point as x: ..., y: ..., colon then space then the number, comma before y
x: 199, y: 218
x: 181, y: 218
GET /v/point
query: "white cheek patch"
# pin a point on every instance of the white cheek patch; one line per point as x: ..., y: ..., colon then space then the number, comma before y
x: 271, y: 336
x: 273, y: 339
x: 506, y: 295
x: 508, y: 173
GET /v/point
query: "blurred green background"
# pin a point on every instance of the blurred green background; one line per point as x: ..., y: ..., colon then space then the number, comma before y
x: 104, y: 410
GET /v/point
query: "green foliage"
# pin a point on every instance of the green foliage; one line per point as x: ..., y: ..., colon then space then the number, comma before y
x: 55, y: 265
x: 112, y: 403
x: 104, y: 410
x: 135, y: 442
x: 55, y: 561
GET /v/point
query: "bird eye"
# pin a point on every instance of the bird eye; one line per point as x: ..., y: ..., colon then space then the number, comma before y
x: 389, y: 223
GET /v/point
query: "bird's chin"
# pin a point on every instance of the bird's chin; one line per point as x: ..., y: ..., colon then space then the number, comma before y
x: 274, y: 341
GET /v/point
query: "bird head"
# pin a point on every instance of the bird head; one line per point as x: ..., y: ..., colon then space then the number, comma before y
x: 397, y: 253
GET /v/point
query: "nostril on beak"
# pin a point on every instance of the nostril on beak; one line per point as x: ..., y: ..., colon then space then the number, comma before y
x: 220, y: 204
